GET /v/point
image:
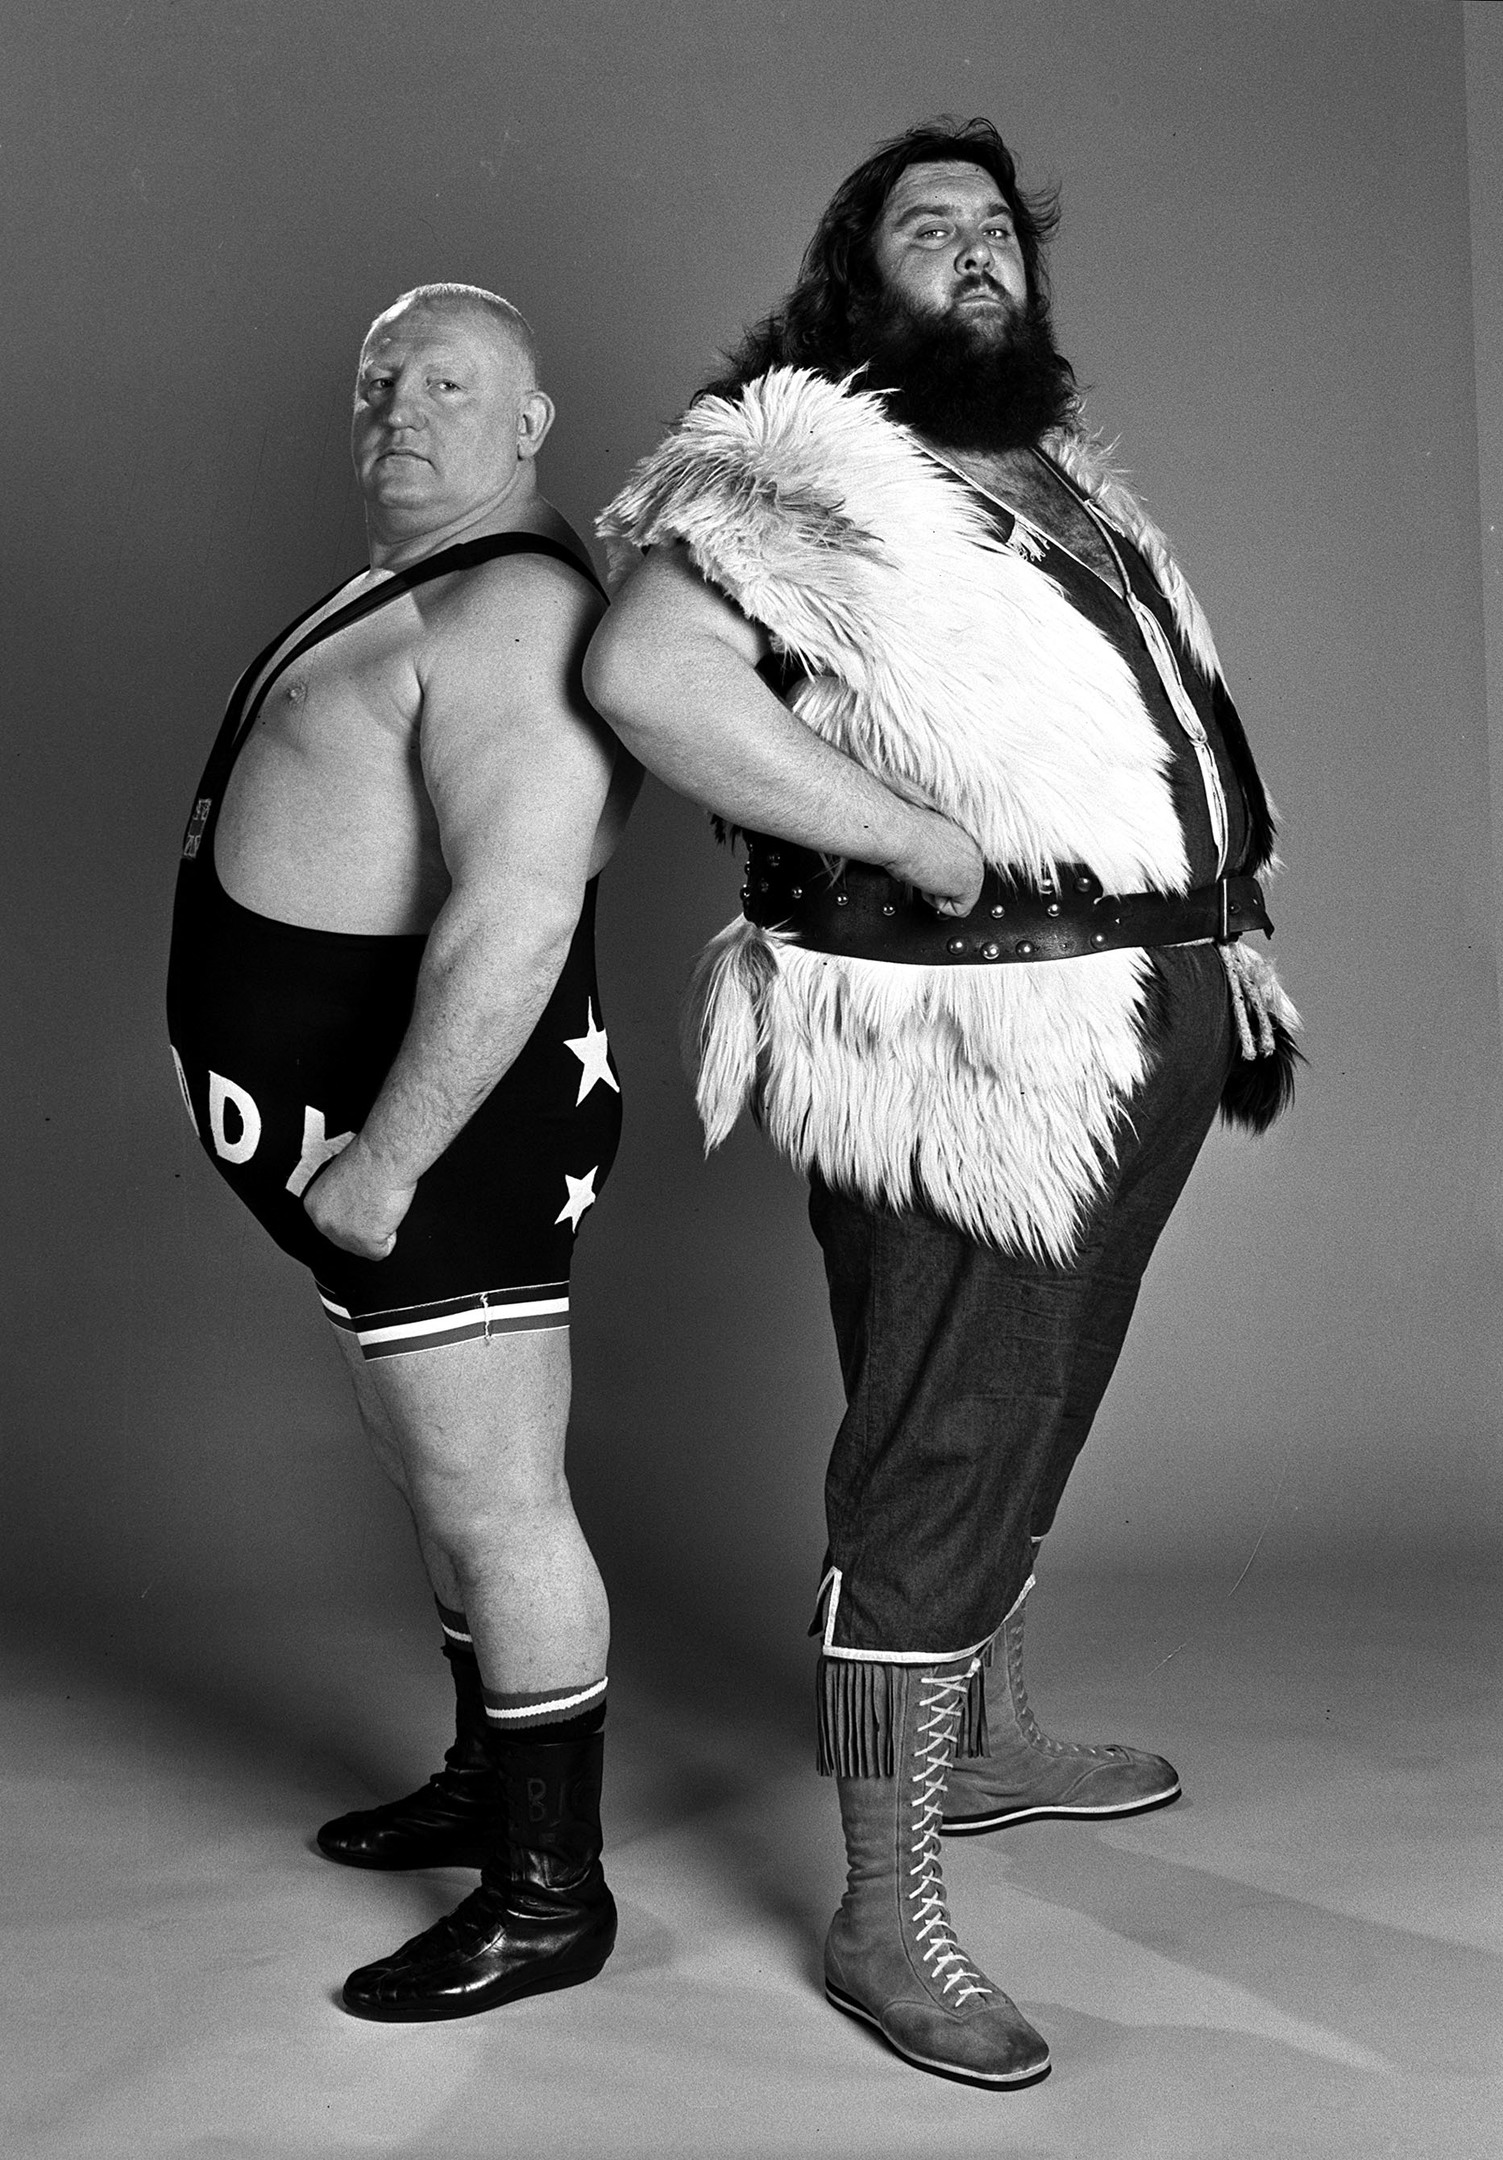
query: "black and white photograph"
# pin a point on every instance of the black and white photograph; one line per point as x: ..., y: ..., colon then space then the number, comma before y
x: 752, y: 925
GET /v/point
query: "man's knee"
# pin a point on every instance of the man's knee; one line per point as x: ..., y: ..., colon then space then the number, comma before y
x: 480, y: 1511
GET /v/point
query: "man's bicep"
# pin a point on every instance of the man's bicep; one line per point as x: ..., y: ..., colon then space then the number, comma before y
x: 522, y: 808
x: 666, y: 605
x: 516, y: 765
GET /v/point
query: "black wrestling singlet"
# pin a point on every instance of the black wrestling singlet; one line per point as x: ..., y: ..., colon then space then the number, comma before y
x: 282, y: 1036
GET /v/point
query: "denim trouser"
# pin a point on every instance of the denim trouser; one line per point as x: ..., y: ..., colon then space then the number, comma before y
x: 972, y: 1374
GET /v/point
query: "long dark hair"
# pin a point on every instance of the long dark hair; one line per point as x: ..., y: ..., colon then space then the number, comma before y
x: 837, y: 279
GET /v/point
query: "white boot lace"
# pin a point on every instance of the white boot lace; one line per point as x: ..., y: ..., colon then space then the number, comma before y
x: 939, y: 1717
x: 1033, y: 1734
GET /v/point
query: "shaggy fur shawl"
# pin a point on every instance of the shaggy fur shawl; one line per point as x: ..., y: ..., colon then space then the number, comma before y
x: 944, y: 661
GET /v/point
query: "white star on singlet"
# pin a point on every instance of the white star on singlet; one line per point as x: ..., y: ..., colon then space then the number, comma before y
x: 591, y: 1049
x: 581, y: 1196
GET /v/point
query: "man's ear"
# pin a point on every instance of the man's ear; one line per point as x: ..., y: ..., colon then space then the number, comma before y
x: 533, y: 425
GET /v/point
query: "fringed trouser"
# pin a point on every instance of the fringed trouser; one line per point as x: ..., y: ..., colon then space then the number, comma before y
x: 972, y: 1376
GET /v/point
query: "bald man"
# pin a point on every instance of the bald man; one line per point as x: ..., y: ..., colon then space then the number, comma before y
x: 384, y: 1014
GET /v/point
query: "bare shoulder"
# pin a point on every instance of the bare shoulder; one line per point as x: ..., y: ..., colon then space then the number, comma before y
x: 524, y: 599
x: 666, y: 598
x: 504, y: 643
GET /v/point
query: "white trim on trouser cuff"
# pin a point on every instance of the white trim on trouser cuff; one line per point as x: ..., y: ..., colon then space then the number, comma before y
x: 832, y: 1649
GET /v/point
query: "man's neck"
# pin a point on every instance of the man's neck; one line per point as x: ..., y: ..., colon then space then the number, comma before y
x: 396, y: 546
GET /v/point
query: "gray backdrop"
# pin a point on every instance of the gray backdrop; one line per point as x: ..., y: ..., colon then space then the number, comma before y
x: 1263, y: 275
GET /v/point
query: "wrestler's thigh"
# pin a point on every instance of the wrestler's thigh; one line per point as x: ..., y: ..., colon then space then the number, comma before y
x: 474, y: 1425
x: 374, y: 1415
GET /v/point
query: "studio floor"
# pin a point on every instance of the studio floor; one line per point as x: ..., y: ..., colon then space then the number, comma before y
x: 1300, y: 1958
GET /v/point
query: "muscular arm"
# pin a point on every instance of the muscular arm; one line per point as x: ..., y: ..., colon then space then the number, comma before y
x: 518, y: 769
x: 673, y: 668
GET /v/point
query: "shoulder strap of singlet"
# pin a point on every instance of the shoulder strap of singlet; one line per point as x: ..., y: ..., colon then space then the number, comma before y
x: 464, y: 555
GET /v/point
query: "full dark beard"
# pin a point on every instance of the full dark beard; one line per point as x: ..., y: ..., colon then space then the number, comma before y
x: 962, y: 385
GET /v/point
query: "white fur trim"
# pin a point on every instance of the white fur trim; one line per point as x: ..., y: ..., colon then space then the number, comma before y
x: 990, y: 1097
x: 936, y: 655
x: 950, y: 663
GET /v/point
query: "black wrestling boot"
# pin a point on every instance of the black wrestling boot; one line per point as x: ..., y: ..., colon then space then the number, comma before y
x: 542, y: 1918
x: 449, y: 1822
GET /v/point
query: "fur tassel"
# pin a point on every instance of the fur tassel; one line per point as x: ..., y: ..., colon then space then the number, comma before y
x: 1258, y: 999
x: 1260, y: 1089
x: 859, y: 1706
x: 1260, y: 1084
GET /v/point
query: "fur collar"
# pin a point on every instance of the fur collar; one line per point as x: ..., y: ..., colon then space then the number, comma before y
x: 937, y: 655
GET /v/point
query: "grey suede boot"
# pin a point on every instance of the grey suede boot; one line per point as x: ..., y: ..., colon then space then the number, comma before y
x: 891, y: 1957
x: 1025, y: 1775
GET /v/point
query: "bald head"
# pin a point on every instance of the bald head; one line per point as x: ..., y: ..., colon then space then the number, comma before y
x: 505, y: 323
x: 448, y: 417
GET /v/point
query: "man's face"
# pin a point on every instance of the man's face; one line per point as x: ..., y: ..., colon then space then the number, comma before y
x: 962, y: 353
x: 441, y: 414
x: 946, y: 245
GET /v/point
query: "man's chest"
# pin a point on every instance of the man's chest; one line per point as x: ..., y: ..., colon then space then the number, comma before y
x: 356, y: 694
x: 1033, y: 490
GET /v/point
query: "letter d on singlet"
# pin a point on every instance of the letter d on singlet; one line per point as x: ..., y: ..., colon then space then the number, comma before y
x: 221, y: 1092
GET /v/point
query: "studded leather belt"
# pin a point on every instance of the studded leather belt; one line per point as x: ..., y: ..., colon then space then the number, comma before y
x: 868, y: 915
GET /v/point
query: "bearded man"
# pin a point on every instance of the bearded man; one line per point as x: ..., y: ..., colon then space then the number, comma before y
x: 899, y: 623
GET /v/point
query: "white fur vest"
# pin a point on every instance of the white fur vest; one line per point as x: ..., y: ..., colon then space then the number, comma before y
x: 943, y: 658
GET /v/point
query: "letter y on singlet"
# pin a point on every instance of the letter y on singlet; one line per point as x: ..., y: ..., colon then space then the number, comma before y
x: 317, y: 1150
